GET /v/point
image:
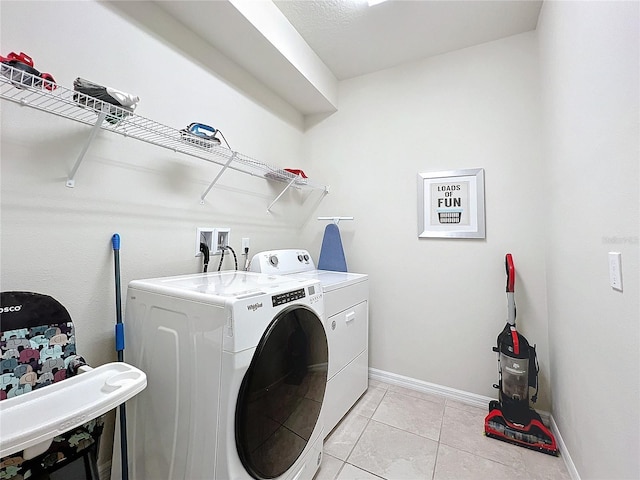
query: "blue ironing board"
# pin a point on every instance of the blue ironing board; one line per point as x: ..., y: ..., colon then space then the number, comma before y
x: 331, y: 253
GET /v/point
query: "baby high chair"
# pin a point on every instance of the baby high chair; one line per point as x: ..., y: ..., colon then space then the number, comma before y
x: 50, y: 418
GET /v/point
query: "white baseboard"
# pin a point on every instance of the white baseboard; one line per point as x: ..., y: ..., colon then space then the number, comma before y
x: 426, y: 387
x: 473, y: 399
x: 571, y: 467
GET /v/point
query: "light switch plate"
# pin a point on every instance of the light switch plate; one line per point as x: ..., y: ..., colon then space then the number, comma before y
x: 615, y: 270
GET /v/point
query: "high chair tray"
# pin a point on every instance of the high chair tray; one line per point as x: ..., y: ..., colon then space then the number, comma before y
x: 38, y: 416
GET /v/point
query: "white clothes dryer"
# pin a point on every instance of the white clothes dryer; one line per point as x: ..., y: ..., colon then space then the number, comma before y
x: 237, y: 368
x: 346, y: 316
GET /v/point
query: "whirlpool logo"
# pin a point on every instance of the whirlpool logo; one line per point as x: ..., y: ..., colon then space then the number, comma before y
x: 254, y: 306
x: 12, y: 308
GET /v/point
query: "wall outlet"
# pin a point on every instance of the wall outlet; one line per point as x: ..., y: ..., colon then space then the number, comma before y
x: 204, y: 235
x: 245, y: 244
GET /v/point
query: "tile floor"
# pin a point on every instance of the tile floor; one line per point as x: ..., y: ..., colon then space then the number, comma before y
x: 396, y: 433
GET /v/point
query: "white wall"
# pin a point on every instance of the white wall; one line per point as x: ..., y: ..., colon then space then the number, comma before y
x: 437, y: 305
x: 590, y: 76
x: 56, y: 240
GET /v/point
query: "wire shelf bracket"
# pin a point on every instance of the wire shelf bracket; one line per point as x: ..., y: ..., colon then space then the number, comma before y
x: 281, y: 193
x: 71, y: 182
x: 222, y: 170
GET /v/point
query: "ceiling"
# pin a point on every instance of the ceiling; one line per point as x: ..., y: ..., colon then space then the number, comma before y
x: 353, y: 39
x: 301, y: 49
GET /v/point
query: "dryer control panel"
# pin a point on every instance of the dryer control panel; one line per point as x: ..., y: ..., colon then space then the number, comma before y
x: 282, y: 262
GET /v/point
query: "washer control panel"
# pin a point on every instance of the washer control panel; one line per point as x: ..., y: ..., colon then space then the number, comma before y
x: 287, y: 297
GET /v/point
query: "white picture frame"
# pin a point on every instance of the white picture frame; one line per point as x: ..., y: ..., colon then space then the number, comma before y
x: 451, y: 204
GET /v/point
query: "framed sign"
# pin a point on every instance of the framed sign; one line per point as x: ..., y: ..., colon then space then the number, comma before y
x: 451, y: 204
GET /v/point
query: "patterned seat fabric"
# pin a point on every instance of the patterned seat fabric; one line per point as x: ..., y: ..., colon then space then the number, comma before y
x: 38, y: 349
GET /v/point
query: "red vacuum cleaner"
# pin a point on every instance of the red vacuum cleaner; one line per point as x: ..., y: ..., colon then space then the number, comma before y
x: 510, y: 418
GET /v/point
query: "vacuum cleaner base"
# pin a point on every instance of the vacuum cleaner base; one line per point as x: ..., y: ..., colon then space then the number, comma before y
x: 534, y: 435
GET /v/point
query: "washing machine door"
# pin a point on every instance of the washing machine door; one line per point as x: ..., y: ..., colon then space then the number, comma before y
x: 282, y: 392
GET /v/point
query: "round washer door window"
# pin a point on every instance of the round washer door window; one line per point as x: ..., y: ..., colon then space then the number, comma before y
x: 282, y: 392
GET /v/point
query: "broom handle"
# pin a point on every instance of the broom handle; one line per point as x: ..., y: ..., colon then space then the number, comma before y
x: 115, y: 242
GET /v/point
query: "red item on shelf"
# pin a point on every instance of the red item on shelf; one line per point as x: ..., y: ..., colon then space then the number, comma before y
x: 296, y: 172
x: 23, y: 62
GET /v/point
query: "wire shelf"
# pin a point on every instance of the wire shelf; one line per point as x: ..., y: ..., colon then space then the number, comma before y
x: 29, y: 90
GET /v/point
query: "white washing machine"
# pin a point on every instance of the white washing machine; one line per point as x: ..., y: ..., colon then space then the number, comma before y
x: 346, y: 316
x: 237, y: 367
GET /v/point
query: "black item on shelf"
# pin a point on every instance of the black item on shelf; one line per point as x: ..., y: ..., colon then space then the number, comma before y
x: 23, y: 63
x: 95, y: 96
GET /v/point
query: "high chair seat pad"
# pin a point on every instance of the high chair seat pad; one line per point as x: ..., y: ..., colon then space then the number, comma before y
x: 37, y: 345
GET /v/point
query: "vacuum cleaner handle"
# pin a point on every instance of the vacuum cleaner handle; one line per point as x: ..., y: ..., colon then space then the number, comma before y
x: 511, y: 284
x: 511, y: 273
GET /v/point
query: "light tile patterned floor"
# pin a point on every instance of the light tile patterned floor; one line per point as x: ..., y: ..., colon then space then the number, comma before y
x: 395, y: 433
